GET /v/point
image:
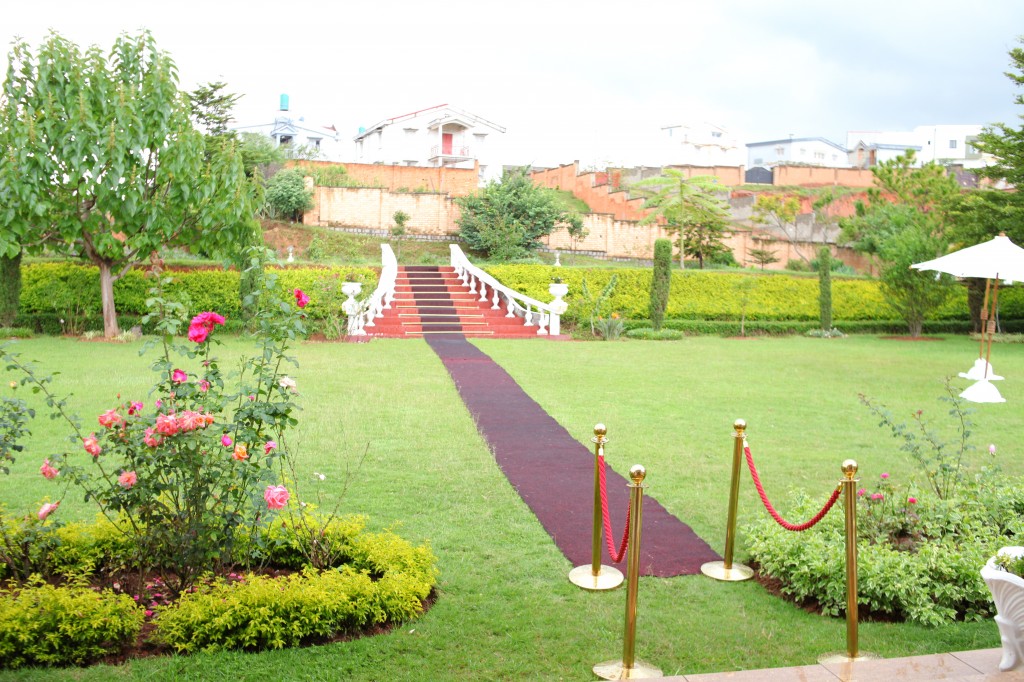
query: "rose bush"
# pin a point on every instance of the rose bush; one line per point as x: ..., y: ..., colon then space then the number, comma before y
x: 186, y: 472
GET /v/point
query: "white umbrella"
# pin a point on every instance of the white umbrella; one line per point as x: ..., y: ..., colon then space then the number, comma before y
x: 996, y: 259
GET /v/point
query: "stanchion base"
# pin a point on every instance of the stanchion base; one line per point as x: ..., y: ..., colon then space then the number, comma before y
x: 607, y: 578
x: 844, y: 657
x: 616, y: 670
x: 735, y: 573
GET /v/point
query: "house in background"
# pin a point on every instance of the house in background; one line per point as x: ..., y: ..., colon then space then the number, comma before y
x: 289, y: 131
x: 808, y: 151
x: 704, y: 144
x: 944, y: 144
x: 438, y: 136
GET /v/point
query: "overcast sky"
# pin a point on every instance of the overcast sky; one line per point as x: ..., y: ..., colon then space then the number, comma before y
x: 581, y: 80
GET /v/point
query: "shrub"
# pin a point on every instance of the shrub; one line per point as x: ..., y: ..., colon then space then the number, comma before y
x: 649, y: 334
x: 287, y: 196
x: 380, y: 578
x: 661, y: 280
x: 47, y: 625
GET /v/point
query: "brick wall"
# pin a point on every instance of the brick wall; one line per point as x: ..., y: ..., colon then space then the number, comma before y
x: 372, y: 208
x: 458, y: 182
x: 812, y: 176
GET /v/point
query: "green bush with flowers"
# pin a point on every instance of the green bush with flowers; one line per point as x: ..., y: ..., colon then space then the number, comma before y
x: 189, y: 484
x: 920, y: 543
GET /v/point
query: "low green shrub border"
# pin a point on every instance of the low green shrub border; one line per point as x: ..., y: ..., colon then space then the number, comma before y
x: 716, y: 295
x: 64, y: 298
x: 48, y: 625
x: 648, y: 334
x: 935, y: 583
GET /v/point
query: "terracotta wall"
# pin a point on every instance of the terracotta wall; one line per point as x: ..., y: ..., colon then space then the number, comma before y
x: 372, y: 208
x: 458, y: 182
x: 812, y: 176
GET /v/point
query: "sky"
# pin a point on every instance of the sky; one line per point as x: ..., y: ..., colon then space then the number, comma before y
x: 589, y: 81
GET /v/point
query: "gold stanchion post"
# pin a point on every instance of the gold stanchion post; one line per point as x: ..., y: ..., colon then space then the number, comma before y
x: 594, y: 576
x: 629, y: 668
x: 853, y: 652
x: 727, y: 570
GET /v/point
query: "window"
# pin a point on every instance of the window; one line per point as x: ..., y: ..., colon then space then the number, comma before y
x: 780, y: 150
x: 758, y: 161
x: 716, y: 133
x: 284, y: 140
x: 819, y: 155
x: 314, y: 142
x: 410, y: 132
x: 952, y: 144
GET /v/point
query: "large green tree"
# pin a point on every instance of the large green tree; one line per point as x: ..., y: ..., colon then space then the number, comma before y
x: 1005, y: 142
x: 906, y: 220
x: 100, y: 160
x: 506, y: 220
x: 690, y: 207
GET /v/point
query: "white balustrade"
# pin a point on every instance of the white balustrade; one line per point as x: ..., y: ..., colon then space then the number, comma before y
x: 545, y: 316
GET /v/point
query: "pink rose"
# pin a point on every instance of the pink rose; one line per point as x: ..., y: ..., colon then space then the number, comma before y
x: 911, y: 500
x: 201, y: 326
x: 861, y: 492
x: 277, y: 496
x: 48, y: 471
x: 48, y: 509
x: 226, y: 441
x: 134, y: 408
x: 287, y: 383
x: 127, y: 479
x: 877, y: 496
x: 204, y: 385
x: 884, y: 476
x: 167, y: 424
x: 240, y: 453
x: 179, y: 376
x: 91, y: 445
x: 110, y: 418
x: 992, y: 449
x: 268, y: 446
x: 301, y: 299
x: 151, y: 440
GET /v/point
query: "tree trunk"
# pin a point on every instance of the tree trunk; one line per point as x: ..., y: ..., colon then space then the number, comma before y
x: 10, y: 288
x: 110, y: 328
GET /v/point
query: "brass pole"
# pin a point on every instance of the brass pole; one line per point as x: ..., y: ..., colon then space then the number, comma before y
x: 725, y: 570
x: 595, y: 576
x: 850, y: 499
x: 629, y: 668
x: 853, y: 652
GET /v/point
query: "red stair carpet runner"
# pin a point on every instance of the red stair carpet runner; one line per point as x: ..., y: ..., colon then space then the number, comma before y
x: 554, y: 473
x: 431, y: 300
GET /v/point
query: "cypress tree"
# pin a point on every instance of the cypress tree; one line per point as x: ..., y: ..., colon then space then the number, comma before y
x: 825, y: 287
x: 661, y: 281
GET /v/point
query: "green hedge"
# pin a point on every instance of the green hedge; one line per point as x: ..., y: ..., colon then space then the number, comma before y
x: 58, y: 298
x: 715, y: 295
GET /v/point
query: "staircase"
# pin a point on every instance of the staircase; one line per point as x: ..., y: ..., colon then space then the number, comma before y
x: 431, y: 300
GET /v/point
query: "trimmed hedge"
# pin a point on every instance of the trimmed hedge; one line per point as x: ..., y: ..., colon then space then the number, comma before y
x: 52, y: 292
x: 714, y: 295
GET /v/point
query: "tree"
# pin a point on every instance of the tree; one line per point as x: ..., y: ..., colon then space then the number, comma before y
x: 506, y: 220
x: 825, y: 288
x: 690, y: 207
x: 398, y: 231
x: 763, y: 257
x: 661, y: 281
x: 101, y: 161
x: 901, y: 235
x: 577, y: 232
x: 780, y: 212
x: 211, y: 109
x: 287, y: 195
x: 1004, y: 142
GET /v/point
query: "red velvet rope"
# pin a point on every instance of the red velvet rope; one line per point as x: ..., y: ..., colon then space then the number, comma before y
x: 771, y: 510
x: 616, y: 558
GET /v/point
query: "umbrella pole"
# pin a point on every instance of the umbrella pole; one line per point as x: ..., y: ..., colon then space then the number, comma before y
x: 992, y: 323
x: 984, y: 319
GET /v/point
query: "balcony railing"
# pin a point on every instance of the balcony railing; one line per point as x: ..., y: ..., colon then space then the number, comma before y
x: 455, y: 151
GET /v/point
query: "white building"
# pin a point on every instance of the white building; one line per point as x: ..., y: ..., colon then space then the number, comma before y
x: 943, y: 144
x: 809, y: 151
x: 704, y: 144
x: 288, y: 130
x: 439, y: 136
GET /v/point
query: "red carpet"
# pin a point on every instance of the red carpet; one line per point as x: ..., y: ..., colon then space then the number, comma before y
x: 554, y: 473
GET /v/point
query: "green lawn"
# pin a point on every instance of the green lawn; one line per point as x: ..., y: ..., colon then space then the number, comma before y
x: 505, y: 608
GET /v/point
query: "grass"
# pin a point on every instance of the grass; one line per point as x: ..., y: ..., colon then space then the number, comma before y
x: 506, y: 609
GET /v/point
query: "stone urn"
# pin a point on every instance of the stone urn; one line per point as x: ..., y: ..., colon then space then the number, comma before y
x: 1008, y: 593
x: 558, y: 289
x: 351, y: 289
